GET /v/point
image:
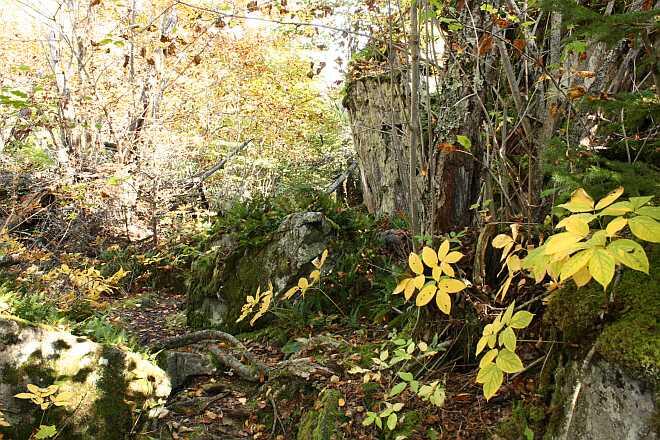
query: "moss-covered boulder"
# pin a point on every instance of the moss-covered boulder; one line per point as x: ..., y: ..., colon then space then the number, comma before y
x: 323, y: 422
x: 227, y: 273
x: 620, y: 384
x: 109, y: 392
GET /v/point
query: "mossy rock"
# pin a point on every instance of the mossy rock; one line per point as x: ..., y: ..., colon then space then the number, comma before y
x: 630, y: 336
x: 109, y: 385
x: 222, y: 279
x: 322, y: 423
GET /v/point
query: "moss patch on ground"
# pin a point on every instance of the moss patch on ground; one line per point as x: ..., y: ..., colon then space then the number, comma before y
x: 322, y: 424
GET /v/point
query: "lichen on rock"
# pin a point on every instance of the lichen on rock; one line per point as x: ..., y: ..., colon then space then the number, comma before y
x: 108, y: 384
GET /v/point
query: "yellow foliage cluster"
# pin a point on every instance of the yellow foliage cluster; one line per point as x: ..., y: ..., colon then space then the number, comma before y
x: 264, y: 299
x: 44, y: 398
x: 441, y: 282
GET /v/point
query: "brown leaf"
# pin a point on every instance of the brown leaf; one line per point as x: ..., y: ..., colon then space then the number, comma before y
x: 252, y: 6
x: 519, y: 44
x: 585, y: 73
x: 576, y: 92
x: 485, y: 44
x: 447, y: 147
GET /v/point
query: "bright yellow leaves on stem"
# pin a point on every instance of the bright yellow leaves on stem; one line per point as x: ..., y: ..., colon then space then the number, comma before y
x: 45, y: 397
x: 265, y: 299
x: 441, y: 281
x: 500, y: 338
x: 583, y: 252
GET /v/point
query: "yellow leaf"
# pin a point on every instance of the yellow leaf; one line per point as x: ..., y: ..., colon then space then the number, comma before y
x: 481, y: 344
x: 35, y: 389
x: 429, y: 257
x: 24, y: 396
x: 576, y: 263
x: 425, y: 295
x: 315, y: 275
x: 505, y: 287
x: 561, y: 242
x: 645, y: 228
x: 619, y: 208
x: 443, y: 250
x: 409, y: 290
x: 451, y: 285
x: 289, y: 293
x: 419, y: 281
x: 443, y: 301
x: 615, y: 226
x: 437, y: 273
x: 501, y: 240
x: 401, y: 286
x: 415, y: 263
x: 630, y: 253
x: 303, y: 283
x: 601, y: 267
x: 446, y: 268
x: 580, y: 202
x: 609, y: 199
x: 582, y: 277
x: 506, y: 251
x: 453, y: 257
x: 513, y: 263
x: 491, y: 377
x: 577, y: 224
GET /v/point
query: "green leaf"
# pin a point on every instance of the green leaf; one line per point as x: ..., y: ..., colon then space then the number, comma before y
x: 397, y: 389
x: 638, y: 202
x: 379, y: 422
x: 481, y: 344
x: 521, y: 319
x: 508, y: 361
x: 488, y: 357
x: 405, y: 376
x: 46, y: 431
x: 616, y: 209
x: 464, y: 141
x: 508, y: 339
x: 369, y: 419
x: 630, y: 253
x: 575, y: 263
x: 391, y: 421
x: 650, y: 211
x: 506, y: 318
x: 491, y: 377
x: 645, y: 228
x: 601, y: 266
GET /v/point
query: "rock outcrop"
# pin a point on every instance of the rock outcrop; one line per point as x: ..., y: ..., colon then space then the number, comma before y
x: 226, y: 274
x: 111, y: 392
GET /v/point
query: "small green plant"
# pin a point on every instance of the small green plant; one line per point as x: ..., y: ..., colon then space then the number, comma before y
x: 500, y: 337
x: 405, y: 351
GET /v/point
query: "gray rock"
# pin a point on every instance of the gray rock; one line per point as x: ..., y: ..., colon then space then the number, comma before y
x: 611, y: 406
x: 181, y: 366
x: 108, y: 385
x: 222, y: 279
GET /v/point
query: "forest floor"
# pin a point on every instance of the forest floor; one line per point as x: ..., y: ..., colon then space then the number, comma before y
x: 216, y: 406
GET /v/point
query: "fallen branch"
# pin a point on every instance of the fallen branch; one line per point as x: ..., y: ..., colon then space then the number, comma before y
x: 199, y: 178
x: 255, y: 371
x: 339, y: 180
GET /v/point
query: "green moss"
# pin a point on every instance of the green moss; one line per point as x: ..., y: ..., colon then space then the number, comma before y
x: 322, y: 424
x: 113, y: 412
x: 629, y: 336
x: 632, y: 340
x: 525, y: 420
x: 575, y: 312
